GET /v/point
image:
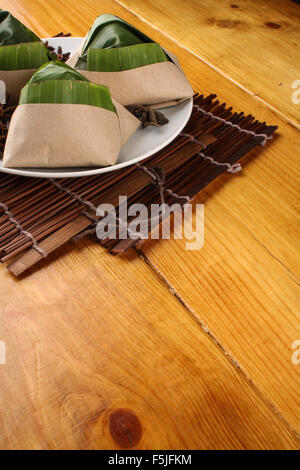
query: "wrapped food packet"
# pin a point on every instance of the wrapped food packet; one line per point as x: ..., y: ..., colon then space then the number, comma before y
x: 21, y: 53
x: 64, y: 120
x: 136, y: 69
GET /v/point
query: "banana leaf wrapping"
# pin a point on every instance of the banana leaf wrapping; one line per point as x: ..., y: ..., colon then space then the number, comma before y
x: 64, y: 120
x: 136, y: 69
x: 21, y: 53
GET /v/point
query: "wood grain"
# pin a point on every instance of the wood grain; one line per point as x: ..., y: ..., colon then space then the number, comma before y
x: 252, y: 254
x: 243, y: 296
x: 89, y: 334
x: 253, y: 44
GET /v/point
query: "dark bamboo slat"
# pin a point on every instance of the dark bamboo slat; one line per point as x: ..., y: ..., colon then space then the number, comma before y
x: 54, y: 217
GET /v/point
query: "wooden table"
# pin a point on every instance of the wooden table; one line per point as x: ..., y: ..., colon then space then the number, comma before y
x: 168, y: 348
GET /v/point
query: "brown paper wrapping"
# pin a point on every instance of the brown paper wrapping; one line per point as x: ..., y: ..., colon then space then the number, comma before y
x: 128, y: 122
x: 151, y: 84
x: 66, y: 135
x: 168, y: 104
x: 14, y: 81
x: 148, y: 85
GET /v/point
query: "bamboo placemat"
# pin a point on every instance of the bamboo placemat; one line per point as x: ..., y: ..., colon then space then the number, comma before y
x: 39, y: 215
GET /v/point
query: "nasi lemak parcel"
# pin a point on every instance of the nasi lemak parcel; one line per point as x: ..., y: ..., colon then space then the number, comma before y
x: 136, y: 69
x: 64, y: 120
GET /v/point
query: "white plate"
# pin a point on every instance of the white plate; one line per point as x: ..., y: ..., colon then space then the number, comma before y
x: 142, y: 144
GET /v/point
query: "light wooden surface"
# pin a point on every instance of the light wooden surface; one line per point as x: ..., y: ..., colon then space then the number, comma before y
x: 253, y: 44
x: 197, y: 344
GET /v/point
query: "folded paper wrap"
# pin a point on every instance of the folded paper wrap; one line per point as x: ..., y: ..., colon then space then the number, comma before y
x: 53, y: 127
x: 148, y: 85
x: 136, y: 70
x: 14, y: 81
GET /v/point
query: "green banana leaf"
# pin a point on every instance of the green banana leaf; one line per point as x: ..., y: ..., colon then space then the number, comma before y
x: 108, y: 32
x: 51, y: 86
x: 125, y: 58
x: 56, y: 70
x: 12, y: 31
x: 28, y: 55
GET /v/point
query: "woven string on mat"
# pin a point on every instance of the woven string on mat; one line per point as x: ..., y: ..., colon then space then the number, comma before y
x: 235, y: 126
x: 235, y: 168
x: 158, y: 178
x: 22, y: 231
